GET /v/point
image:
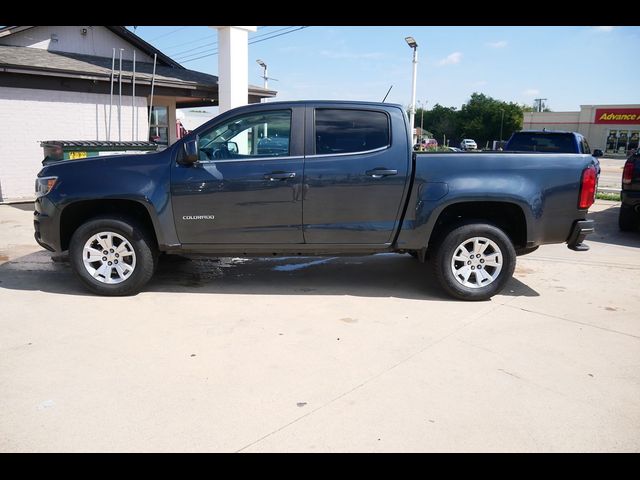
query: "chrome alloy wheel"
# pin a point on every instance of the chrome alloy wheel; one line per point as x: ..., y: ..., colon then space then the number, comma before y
x: 476, y: 262
x: 109, y: 257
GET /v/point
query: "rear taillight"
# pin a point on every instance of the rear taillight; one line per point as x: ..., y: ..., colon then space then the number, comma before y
x: 627, y: 173
x: 588, y: 188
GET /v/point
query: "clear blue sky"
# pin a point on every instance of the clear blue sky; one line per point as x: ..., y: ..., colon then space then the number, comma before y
x: 569, y: 66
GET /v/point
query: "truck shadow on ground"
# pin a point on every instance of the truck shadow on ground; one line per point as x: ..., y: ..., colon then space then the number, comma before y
x: 385, y: 275
x: 607, y: 231
x: 24, y: 206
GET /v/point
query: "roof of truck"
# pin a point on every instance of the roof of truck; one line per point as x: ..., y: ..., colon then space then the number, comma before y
x: 345, y: 102
x: 547, y: 131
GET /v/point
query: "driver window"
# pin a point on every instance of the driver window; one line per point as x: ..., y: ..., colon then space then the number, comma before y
x: 255, y: 135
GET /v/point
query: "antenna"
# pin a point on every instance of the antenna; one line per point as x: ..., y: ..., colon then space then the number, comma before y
x: 385, y: 97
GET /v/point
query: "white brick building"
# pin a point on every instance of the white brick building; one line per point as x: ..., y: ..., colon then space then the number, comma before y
x: 55, y: 83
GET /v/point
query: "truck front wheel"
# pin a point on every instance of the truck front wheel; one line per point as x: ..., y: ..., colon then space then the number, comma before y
x: 474, y: 261
x: 112, y: 256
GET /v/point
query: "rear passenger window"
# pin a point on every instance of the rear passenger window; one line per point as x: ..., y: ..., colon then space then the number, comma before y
x: 585, y: 146
x: 347, y: 131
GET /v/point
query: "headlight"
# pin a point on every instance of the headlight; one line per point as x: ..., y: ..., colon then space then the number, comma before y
x: 44, y: 185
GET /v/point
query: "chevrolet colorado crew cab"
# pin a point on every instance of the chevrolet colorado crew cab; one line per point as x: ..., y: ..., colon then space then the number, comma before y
x: 312, y: 178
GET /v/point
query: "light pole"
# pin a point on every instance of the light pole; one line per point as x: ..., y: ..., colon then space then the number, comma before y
x: 265, y: 83
x: 264, y: 73
x: 412, y: 113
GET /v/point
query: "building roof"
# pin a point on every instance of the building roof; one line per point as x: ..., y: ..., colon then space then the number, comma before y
x: 43, y: 62
x: 122, y: 32
x: 54, y: 64
x: 99, y: 68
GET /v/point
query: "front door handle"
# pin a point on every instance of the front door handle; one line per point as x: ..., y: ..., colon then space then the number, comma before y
x: 381, y: 172
x: 273, y: 176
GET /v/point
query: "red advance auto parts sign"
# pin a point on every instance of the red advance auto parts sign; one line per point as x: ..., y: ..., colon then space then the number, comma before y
x: 629, y: 116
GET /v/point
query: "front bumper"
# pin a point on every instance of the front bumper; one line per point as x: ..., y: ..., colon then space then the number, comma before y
x: 581, y: 228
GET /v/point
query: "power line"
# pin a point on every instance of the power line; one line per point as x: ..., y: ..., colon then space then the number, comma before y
x: 207, y: 38
x: 168, y: 33
x: 200, y: 39
x: 181, y: 54
x: 279, y: 35
x: 250, y: 43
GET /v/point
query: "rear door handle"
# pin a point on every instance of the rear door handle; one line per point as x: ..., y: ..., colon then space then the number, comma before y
x: 381, y: 172
x: 273, y: 176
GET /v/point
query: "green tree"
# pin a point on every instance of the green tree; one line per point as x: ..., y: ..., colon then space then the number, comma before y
x: 442, y: 122
x: 480, y: 118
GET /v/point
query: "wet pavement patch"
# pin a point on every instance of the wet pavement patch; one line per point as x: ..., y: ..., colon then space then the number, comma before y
x: 298, y: 266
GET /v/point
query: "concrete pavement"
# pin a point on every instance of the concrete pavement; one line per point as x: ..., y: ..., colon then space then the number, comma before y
x: 343, y: 354
x: 611, y: 174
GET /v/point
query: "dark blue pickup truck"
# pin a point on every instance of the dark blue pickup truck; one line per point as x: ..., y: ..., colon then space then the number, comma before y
x: 312, y: 178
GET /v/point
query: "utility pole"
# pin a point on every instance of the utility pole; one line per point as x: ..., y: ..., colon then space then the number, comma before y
x: 421, y: 121
x: 538, y: 102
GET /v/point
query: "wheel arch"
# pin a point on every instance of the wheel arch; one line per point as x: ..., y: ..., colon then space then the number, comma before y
x: 77, y: 213
x: 507, y: 216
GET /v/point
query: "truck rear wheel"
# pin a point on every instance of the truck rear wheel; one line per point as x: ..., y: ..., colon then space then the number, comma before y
x: 474, y: 261
x: 112, y: 256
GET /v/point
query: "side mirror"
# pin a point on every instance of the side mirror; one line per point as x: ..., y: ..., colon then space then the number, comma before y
x: 190, y: 152
x: 597, y: 153
x: 232, y: 147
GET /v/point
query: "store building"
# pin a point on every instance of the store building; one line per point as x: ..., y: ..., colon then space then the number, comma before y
x: 56, y: 84
x: 614, y: 129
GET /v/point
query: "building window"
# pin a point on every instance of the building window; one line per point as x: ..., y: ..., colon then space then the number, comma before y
x: 159, y: 127
x: 622, y: 141
x: 633, y: 140
x: 612, y: 141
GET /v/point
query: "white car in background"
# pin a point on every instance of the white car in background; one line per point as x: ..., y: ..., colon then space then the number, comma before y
x: 468, y: 144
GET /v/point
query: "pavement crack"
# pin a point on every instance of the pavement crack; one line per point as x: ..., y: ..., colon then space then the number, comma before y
x: 511, y: 374
x: 473, y: 319
x: 574, y: 321
x: 591, y: 263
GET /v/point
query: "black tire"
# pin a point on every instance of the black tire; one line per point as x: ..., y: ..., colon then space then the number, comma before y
x: 628, y: 220
x: 447, y: 248
x: 140, y: 240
